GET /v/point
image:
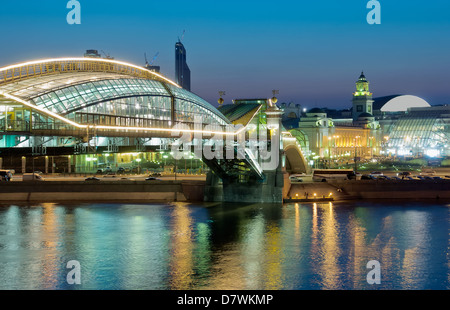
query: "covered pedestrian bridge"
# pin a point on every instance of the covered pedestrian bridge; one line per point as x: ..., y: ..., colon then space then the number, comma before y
x: 91, y: 105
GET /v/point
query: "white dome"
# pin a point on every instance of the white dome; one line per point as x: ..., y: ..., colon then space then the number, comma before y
x: 403, y: 103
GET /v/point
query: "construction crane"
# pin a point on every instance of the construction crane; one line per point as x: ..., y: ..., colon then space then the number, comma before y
x: 154, y: 58
x: 107, y: 56
x: 151, y: 62
x: 150, y: 66
x: 182, y: 37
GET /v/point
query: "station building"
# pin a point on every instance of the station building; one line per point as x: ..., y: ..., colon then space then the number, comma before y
x: 397, y: 125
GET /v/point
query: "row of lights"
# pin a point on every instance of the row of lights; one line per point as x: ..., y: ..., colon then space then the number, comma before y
x: 315, y: 195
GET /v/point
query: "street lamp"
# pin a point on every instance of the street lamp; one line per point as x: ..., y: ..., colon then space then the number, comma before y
x: 329, y: 152
x: 356, y: 159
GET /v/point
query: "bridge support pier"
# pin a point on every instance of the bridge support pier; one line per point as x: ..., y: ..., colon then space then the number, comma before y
x: 270, y: 190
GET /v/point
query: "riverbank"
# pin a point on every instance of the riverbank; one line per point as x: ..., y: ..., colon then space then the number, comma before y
x: 193, y: 191
x: 98, y: 191
x: 371, y: 189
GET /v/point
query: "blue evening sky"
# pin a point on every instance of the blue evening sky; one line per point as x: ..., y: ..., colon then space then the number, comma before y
x: 311, y: 51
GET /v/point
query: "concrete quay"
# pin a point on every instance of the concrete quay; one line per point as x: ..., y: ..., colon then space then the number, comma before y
x: 371, y: 189
x: 194, y: 191
x: 95, y: 191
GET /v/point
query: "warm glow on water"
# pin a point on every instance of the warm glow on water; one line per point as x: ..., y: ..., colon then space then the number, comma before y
x: 182, y: 246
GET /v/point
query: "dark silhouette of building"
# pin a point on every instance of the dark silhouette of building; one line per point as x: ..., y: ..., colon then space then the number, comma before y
x: 156, y: 69
x: 92, y: 54
x: 182, y: 72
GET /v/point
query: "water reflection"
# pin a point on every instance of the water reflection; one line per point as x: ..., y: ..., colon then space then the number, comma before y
x: 329, y: 250
x: 182, y: 246
x: 182, y: 243
x: 51, y: 242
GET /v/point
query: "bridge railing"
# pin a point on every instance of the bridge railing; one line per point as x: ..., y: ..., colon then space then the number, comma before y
x: 18, y: 126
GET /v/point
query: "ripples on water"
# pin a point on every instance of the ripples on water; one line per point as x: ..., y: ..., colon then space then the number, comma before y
x: 182, y: 246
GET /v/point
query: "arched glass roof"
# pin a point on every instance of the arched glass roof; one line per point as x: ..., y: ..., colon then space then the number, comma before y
x: 72, y: 98
x: 68, y: 88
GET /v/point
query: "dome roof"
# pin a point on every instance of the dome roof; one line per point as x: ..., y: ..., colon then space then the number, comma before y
x: 399, y: 103
x: 362, y: 77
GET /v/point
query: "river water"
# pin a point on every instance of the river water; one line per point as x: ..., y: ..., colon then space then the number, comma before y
x: 185, y: 246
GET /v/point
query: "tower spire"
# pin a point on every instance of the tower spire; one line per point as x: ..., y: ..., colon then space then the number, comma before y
x: 362, y: 77
x: 362, y: 98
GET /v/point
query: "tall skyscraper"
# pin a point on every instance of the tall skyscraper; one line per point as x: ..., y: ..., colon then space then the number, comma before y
x: 182, y: 72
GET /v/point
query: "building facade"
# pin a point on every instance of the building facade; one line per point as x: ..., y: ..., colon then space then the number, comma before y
x: 334, y: 141
x: 395, y: 126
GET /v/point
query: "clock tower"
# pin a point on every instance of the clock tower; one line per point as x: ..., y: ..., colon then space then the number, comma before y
x: 362, y: 98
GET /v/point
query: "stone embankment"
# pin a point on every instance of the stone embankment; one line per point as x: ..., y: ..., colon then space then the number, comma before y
x: 193, y: 191
x: 92, y: 191
x: 372, y: 189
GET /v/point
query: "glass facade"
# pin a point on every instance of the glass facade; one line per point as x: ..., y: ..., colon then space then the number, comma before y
x: 76, y: 97
x: 89, y: 117
x: 130, y: 102
x: 100, y: 99
x: 421, y: 131
x: 188, y: 106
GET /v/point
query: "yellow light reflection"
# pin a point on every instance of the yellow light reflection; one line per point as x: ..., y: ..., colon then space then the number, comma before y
x: 51, y: 236
x: 358, y: 254
x: 315, y: 246
x: 181, y: 264
x: 273, y: 258
x: 328, y: 266
x: 297, y: 222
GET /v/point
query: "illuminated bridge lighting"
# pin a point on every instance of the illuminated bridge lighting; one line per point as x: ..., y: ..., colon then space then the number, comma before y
x: 13, y: 68
x: 207, y: 132
x: 87, y: 105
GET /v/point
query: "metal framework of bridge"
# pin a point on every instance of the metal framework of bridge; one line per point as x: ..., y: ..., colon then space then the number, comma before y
x: 74, y: 104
